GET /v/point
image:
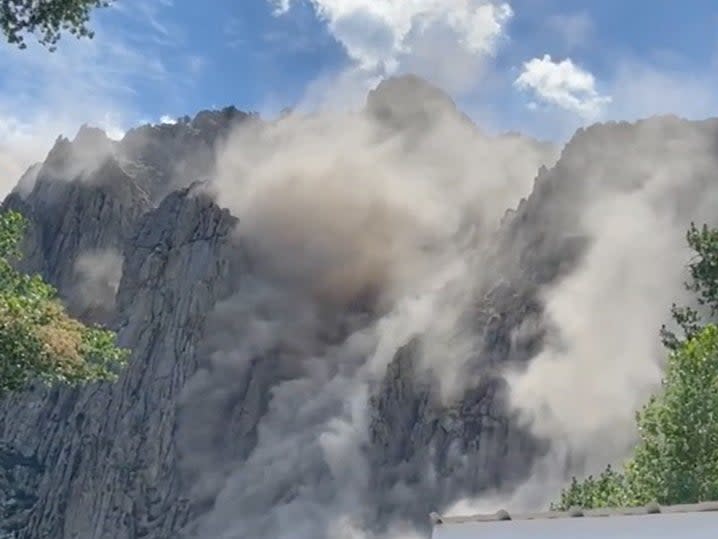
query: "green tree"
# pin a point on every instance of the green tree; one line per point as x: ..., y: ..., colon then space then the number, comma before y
x: 606, y: 490
x: 38, y: 339
x: 676, y: 459
x: 703, y: 283
x: 46, y: 19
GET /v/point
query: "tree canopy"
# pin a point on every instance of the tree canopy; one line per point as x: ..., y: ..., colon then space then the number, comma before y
x: 39, y: 340
x: 703, y: 283
x: 46, y: 19
x: 676, y: 459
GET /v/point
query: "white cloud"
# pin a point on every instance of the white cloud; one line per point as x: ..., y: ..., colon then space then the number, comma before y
x: 113, y: 124
x: 281, y: 6
x: 562, y: 84
x: 442, y: 39
x: 167, y: 119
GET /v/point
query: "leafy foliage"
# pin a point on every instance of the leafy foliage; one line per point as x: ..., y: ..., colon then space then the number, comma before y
x: 676, y: 459
x: 703, y: 282
x: 38, y: 339
x: 47, y: 19
x: 606, y: 490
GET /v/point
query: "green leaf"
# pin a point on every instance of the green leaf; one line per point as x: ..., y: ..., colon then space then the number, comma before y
x: 38, y: 339
x: 46, y: 19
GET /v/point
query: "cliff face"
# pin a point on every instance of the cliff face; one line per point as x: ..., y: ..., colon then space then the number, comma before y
x: 102, y: 461
x: 105, y: 455
x: 195, y: 440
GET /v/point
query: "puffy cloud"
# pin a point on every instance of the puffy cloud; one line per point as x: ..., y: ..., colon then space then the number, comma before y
x: 167, y: 119
x: 442, y: 39
x: 562, y: 84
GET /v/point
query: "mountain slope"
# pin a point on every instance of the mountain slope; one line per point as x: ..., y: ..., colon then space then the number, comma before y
x: 321, y: 332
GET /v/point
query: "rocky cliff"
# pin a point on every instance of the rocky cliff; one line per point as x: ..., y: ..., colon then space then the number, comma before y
x: 265, y: 397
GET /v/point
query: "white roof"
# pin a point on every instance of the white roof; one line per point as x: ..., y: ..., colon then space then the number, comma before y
x: 695, y: 521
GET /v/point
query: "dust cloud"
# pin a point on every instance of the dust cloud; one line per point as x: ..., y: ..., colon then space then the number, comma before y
x: 360, y: 229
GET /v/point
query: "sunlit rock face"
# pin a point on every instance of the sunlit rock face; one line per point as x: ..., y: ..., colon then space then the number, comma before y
x: 299, y: 376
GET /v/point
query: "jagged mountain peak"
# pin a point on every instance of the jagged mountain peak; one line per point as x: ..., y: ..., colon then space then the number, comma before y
x: 201, y: 319
x: 90, y: 135
x: 409, y: 101
x: 396, y: 89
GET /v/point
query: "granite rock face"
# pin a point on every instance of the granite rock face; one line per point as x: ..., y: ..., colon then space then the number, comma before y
x: 99, y: 462
x: 111, y: 461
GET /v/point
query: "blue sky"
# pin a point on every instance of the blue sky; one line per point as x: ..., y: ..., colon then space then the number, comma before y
x: 544, y: 67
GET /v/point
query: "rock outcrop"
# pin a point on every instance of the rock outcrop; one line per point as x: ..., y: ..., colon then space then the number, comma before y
x: 108, y: 461
x: 99, y: 462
